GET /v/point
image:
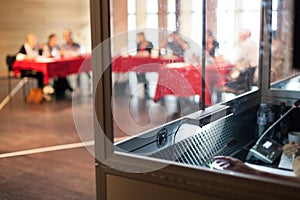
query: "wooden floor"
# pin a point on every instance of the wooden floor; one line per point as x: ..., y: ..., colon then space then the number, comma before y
x: 66, y: 174
x: 62, y: 174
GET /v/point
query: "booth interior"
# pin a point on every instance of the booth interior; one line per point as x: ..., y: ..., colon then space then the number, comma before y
x: 225, y: 130
x: 229, y: 88
x: 205, y: 118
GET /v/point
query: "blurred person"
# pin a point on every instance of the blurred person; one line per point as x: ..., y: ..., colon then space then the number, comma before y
x: 211, y: 44
x: 51, y: 49
x: 144, y: 47
x: 30, y: 51
x: 175, y: 43
x: 247, y: 55
x: 70, y: 48
x: 244, y: 73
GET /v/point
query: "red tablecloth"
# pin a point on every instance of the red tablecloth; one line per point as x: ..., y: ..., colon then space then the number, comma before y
x: 183, y: 79
x: 56, y: 68
x: 174, y: 76
x: 217, y: 73
x: 124, y: 64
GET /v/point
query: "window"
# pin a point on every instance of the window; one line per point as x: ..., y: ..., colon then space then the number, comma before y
x: 136, y: 114
x: 150, y: 96
x: 152, y: 14
x: 131, y: 7
x: 196, y: 29
x: 152, y: 21
x: 274, y: 15
x: 171, y: 16
x: 282, y: 40
x: 233, y: 16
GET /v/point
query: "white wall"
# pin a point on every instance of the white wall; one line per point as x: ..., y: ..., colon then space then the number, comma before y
x: 41, y: 17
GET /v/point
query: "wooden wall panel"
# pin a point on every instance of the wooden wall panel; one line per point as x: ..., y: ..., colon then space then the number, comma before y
x: 41, y: 17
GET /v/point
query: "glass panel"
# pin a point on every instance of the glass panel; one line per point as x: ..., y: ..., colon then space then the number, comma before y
x: 157, y: 73
x: 236, y: 39
x: 291, y: 84
x: 282, y: 41
x: 157, y: 78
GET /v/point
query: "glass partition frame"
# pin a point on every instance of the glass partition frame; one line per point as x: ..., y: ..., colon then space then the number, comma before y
x: 209, y: 183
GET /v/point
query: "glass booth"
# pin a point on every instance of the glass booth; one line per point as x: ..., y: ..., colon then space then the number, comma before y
x: 178, y: 84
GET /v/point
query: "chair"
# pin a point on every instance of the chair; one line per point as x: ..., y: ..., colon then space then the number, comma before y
x: 10, y: 59
x: 243, y: 83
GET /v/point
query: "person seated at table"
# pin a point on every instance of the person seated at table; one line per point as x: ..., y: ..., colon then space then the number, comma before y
x: 70, y: 48
x: 244, y: 72
x: 51, y: 49
x: 290, y: 149
x: 30, y: 51
x: 144, y: 47
x: 175, y: 43
x: 211, y: 44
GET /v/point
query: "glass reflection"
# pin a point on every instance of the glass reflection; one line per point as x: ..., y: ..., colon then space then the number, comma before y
x: 291, y: 84
x: 282, y: 40
x: 157, y: 58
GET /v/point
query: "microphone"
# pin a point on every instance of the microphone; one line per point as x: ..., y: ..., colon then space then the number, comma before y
x: 269, y: 151
x: 231, y: 143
